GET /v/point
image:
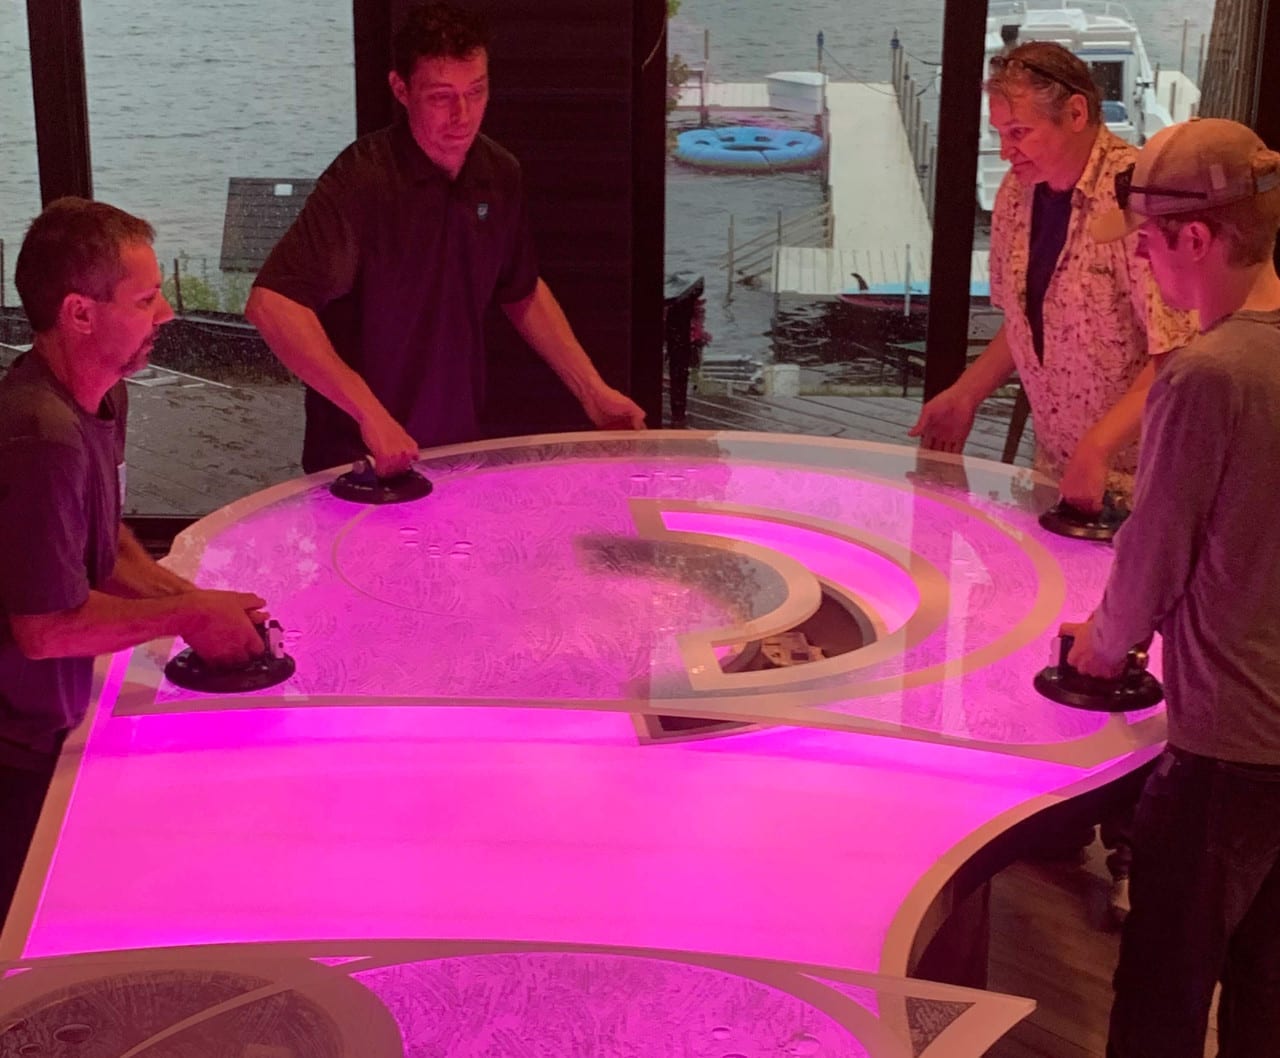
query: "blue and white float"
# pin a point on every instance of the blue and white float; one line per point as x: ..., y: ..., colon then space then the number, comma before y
x: 750, y: 148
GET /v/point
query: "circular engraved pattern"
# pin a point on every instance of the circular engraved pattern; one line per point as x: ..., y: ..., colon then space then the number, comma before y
x: 612, y: 573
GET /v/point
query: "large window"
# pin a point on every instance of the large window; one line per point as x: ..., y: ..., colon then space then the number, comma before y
x: 800, y: 189
x: 211, y: 120
x: 817, y: 278
x: 19, y: 184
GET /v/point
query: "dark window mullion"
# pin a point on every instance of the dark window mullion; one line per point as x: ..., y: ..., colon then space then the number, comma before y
x: 61, y: 102
x: 963, y: 47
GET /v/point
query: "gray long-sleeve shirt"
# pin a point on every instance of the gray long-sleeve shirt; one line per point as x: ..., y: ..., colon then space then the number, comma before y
x: 1199, y: 559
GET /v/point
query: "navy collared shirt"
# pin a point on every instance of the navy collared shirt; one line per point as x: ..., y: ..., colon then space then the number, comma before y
x: 400, y: 263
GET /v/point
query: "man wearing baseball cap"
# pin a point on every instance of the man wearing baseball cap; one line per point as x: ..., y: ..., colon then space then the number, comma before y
x: 1199, y: 562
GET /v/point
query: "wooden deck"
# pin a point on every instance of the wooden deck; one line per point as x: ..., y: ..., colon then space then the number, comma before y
x: 1051, y: 941
x: 884, y: 419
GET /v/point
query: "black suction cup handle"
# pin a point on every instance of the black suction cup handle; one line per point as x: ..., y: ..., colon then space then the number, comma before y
x: 361, y: 484
x: 272, y: 666
x: 1065, y: 643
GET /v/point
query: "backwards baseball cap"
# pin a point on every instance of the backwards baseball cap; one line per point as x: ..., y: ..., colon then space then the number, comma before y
x: 1188, y: 167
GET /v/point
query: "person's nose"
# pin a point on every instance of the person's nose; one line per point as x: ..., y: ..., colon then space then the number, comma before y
x: 164, y: 311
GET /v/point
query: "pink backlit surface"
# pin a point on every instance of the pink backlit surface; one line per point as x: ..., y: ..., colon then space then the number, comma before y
x: 472, y: 1000
x: 458, y: 756
x: 578, y: 573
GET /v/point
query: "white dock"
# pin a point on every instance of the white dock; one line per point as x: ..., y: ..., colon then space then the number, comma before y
x: 880, y: 224
x: 875, y: 198
x: 878, y: 211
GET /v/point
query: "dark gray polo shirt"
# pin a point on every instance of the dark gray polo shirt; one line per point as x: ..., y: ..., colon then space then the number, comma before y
x: 59, y: 532
x: 401, y: 263
x: 1199, y: 558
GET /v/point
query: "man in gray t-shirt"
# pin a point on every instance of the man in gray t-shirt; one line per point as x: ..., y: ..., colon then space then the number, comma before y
x: 74, y: 582
x: 1199, y: 562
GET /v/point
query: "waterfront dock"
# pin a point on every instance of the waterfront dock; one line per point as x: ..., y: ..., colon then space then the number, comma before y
x: 880, y: 228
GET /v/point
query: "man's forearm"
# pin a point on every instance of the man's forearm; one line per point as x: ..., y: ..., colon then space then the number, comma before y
x: 543, y: 324
x: 1122, y: 424
x: 990, y: 371
x: 298, y: 340
x: 102, y: 624
x: 138, y: 576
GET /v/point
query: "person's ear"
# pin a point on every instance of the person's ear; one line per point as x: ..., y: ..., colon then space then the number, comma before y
x: 76, y: 313
x: 399, y: 89
x: 1078, y: 109
x: 1197, y: 239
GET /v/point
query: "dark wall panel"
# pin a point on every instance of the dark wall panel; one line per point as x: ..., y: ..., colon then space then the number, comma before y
x: 568, y: 99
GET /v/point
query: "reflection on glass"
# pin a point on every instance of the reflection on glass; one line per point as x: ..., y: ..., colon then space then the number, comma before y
x: 642, y: 576
x: 212, y: 121
x: 799, y: 186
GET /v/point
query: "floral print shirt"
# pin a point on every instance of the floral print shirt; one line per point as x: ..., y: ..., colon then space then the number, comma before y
x: 1103, y: 315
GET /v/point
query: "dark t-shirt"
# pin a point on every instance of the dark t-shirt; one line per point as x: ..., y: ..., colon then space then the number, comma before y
x: 400, y: 263
x: 1050, y: 218
x: 59, y: 531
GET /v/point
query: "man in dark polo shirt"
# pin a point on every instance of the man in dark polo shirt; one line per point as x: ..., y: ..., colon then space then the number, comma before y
x: 74, y: 582
x: 376, y: 295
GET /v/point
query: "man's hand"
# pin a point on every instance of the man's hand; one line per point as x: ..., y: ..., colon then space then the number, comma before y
x: 388, y: 444
x: 609, y: 409
x: 222, y: 626
x: 1084, y: 656
x: 1085, y: 479
x: 945, y: 421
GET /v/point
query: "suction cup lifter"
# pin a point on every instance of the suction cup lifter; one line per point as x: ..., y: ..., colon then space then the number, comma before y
x: 272, y: 666
x: 361, y: 484
x: 1066, y: 519
x: 1134, y: 688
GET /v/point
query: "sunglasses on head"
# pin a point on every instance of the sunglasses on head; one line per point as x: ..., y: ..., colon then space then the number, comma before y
x: 1126, y: 187
x: 1000, y: 63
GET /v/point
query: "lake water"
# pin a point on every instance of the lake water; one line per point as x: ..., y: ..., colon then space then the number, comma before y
x: 185, y: 95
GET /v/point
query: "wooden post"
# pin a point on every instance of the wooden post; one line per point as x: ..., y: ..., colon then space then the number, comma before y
x: 933, y: 177
x: 1, y: 273
x: 177, y: 286
x: 906, y: 284
x: 906, y: 107
x: 1182, y: 62
x: 913, y: 131
x: 1200, y: 64
x: 728, y: 293
x: 703, y: 115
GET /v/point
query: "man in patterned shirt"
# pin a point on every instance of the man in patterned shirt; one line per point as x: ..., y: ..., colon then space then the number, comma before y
x: 1081, y: 319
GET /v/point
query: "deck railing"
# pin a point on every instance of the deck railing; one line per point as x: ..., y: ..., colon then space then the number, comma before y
x: 749, y: 261
x: 924, y: 152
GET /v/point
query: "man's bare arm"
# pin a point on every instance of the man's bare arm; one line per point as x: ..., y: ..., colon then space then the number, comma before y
x: 543, y: 324
x: 219, y: 624
x: 298, y: 340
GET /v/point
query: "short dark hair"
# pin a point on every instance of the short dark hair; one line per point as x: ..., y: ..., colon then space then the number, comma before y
x: 437, y: 31
x: 1052, y: 73
x: 73, y: 247
x: 1247, y: 226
